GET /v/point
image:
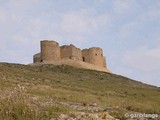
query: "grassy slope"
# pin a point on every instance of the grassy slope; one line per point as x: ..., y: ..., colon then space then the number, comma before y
x: 64, y: 83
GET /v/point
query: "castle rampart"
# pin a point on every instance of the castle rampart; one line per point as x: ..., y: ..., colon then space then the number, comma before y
x: 71, y: 52
x: 52, y: 53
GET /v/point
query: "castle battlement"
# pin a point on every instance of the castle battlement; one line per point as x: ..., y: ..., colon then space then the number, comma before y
x: 52, y: 53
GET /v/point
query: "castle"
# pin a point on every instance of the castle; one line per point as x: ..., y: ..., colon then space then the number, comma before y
x: 52, y: 53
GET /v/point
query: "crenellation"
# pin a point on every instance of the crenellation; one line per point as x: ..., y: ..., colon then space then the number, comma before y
x: 51, y: 52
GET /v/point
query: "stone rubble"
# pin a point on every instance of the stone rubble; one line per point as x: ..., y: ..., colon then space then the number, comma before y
x: 85, y: 116
x: 87, y: 107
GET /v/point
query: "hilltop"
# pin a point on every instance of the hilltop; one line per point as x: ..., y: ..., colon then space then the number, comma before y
x: 48, y: 91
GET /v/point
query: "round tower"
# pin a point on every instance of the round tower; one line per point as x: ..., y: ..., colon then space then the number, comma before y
x: 37, y: 58
x: 96, y: 56
x: 50, y: 51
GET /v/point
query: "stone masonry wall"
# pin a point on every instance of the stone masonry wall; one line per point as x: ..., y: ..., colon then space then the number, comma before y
x: 51, y: 52
x: 104, y: 62
x: 76, y: 53
x: 71, y: 52
x: 66, y: 52
x: 37, y: 58
x: 94, y: 56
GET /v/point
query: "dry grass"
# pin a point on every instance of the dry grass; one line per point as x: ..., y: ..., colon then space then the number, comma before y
x: 17, y: 104
x: 34, y: 92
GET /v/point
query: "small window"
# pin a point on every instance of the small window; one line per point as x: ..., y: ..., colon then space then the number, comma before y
x: 96, y: 54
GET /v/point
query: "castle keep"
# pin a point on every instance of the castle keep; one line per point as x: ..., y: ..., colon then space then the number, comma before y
x: 52, y: 53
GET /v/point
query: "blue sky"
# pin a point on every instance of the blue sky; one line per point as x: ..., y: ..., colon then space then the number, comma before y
x: 127, y: 30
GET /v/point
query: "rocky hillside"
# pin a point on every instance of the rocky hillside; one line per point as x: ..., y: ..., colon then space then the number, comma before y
x: 49, y: 92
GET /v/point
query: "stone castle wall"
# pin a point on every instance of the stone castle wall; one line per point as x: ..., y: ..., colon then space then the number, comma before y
x: 71, y: 52
x: 37, y: 58
x: 51, y: 52
x: 94, y: 56
x: 104, y: 62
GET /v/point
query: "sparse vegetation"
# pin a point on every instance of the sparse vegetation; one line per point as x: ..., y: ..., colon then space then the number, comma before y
x: 36, y: 92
